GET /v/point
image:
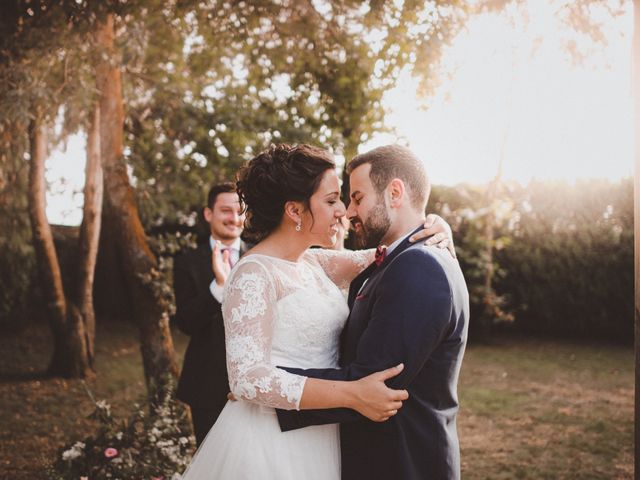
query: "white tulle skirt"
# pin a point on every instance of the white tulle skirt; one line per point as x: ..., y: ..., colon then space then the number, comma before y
x: 246, y: 443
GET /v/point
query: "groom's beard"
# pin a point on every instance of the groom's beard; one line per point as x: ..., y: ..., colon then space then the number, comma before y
x: 374, y: 229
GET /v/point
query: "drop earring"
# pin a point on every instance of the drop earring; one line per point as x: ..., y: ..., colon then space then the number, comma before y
x: 299, y: 226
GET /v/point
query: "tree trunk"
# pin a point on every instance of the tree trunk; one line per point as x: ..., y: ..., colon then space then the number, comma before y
x: 69, y: 358
x: 636, y: 103
x: 48, y: 266
x: 89, y: 237
x: 493, y: 193
x: 139, y: 263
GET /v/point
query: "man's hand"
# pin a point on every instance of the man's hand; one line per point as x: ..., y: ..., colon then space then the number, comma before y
x: 220, y: 264
x: 441, y: 231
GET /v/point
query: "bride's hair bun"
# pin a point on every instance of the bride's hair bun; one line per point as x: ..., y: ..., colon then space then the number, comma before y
x: 280, y: 174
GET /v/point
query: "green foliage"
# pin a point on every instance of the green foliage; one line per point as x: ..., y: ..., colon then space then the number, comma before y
x: 570, y: 261
x: 562, y: 256
x: 46, y: 62
x: 45, y: 73
x: 17, y: 258
x: 165, y: 247
x: 468, y: 210
x: 154, y: 445
x: 209, y: 84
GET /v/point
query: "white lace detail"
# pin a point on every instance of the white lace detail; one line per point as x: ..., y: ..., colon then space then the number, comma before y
x: 279, y: 313
x: 252, y: 287
x: 342, y: 266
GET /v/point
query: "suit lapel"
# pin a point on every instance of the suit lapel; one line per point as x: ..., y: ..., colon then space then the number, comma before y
x: 369, y: 274
x: 205, y: 263
x: 372, y: 270
x: 398, y: 250
x: 357, y: 282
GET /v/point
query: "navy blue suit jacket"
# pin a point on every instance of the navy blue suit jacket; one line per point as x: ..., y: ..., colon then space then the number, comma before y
x: 413, y: 309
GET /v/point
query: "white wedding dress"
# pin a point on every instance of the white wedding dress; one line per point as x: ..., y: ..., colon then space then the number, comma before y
x: 278, y: 312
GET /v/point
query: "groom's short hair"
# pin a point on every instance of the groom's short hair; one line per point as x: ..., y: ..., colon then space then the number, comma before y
x: 396, y: 161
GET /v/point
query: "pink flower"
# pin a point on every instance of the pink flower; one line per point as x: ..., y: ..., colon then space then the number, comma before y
x: 110, y: 452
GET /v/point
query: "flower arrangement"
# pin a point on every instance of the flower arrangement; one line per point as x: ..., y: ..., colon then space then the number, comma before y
x: 151, y: 444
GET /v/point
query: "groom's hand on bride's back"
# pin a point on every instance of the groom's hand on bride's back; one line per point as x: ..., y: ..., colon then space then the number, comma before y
x: 374, y: 400
x: 437, y: 232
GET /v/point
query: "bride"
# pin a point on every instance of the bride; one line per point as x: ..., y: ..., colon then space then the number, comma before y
x: 284, y: 306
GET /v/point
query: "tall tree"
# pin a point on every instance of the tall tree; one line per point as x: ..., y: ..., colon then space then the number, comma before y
x: 72, y: 320
x: 35, y: 61
x: 45, y: 62
x: 139, y: 262
x: 84, y: 316
x: 49, y: 267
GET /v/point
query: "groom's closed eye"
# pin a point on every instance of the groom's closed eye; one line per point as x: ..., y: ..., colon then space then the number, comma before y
x: 356, y: 197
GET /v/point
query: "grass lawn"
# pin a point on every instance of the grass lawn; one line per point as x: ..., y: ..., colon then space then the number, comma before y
x: 534, y: 409
x: 529, y: 408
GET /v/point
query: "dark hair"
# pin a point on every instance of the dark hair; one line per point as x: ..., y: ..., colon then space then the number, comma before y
x: 280, y: 174
x: 216, y: 190
x: 395, y: 161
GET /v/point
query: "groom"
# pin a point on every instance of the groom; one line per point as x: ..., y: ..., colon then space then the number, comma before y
x: 410, y: 306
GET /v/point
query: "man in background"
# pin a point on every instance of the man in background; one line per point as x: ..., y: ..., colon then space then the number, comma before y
x: 204, y: 383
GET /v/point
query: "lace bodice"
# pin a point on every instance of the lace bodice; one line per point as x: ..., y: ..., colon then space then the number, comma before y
x: 278, y: 312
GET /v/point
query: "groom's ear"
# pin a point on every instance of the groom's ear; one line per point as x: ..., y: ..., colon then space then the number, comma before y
x: 207, y: 213
x: 396, y: 191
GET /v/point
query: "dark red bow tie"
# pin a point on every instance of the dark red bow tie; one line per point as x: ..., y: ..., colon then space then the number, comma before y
x: 381, y: 252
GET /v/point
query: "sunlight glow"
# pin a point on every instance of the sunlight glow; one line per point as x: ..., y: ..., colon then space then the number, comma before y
x: 65, y: 182
x: 515, y: 87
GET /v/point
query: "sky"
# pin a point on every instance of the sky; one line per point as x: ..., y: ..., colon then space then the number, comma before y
x: 516, y: 85
x: 509, y: 87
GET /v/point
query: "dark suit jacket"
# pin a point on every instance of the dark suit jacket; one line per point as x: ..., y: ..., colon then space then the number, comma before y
x: 413, y: 309
x: 203, y: 382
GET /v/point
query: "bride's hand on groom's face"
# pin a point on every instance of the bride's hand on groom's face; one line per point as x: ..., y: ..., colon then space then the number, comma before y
x: 375, y: 400
x: 437, y: 232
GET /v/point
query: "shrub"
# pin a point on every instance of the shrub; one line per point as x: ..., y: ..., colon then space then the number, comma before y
x: 562, y: 260
x: 145, y: 446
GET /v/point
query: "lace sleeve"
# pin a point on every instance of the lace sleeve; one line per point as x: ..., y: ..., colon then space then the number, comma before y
x: 342, y: 266
x: 248, y: 311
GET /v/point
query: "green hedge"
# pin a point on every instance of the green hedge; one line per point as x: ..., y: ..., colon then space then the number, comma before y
x: 563, y: 256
